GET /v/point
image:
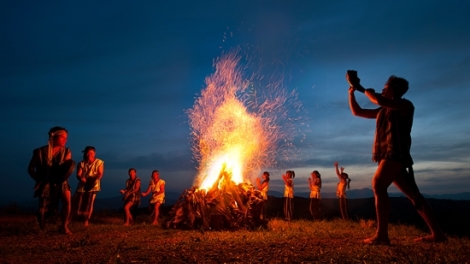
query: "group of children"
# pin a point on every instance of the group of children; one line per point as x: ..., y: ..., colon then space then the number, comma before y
x: 315, y: 184
x: 89, y: 174
x: 132, y: 194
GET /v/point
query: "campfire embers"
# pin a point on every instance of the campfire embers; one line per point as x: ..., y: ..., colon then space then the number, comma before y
x: 224, y: 206
x: 244, y: 124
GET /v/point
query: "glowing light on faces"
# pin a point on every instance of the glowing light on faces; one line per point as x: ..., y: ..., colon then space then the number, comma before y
x: 60, y: 140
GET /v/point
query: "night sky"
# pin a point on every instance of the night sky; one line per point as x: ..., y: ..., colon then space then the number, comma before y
x: 120, y: 77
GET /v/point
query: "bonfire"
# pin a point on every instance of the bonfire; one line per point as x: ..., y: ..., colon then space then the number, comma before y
x: 236, y: 131
x: 225, y: 205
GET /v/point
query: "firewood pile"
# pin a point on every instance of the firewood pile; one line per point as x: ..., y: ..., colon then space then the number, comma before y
x: 225, y: 206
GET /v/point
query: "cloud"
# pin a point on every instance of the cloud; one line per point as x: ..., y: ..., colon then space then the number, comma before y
x: 120, y: 77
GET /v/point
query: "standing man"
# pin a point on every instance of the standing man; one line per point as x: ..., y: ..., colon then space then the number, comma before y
x: 51, y: 167
x: 89, y: 174
x: 391, y: 150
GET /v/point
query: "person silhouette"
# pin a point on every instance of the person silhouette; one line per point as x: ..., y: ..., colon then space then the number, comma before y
x: 391, y: 150
x: 344, y: 181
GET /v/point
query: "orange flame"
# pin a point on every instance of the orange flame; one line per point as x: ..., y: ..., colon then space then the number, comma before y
x: 237, y: 126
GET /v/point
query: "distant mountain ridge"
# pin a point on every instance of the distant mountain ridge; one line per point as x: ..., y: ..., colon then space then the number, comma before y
x: 172, y: 197
x: 367, y: 193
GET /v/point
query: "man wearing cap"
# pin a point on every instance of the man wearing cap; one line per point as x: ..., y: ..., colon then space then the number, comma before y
x: 89, y: 174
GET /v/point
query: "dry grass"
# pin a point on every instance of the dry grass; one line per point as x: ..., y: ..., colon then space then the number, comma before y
x: 107, y: 241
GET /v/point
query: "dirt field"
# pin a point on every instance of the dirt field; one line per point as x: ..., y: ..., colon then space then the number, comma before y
x: 107, y: 241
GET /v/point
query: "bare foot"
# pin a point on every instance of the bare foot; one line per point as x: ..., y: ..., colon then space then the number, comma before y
x: 375, y: 240
x: 431, y: 239
x: 127, y: 224
x: 66, y: 231
x: 86, y: 223
x: 155, y: 223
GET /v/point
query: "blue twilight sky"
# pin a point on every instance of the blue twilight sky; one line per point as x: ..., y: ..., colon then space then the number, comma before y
x: 119, y: 76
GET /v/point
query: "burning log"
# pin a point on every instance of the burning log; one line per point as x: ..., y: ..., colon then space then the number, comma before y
x: 241, y: 125
x: 225, y: 205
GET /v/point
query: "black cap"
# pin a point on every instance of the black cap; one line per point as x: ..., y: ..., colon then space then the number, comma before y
x: 87, y: 148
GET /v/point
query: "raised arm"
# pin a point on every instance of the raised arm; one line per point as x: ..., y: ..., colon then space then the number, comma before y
x: 357, y: 110
x: 355, y: 85
x: 287, y: 181
x: 310, y: 183
x: 395, y: 104
x: 284, y: 177
x: 262, y: 186
x: 338, y: 173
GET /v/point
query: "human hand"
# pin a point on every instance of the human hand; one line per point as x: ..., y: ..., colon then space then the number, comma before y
x: 122, y: 191
x: 342, y: 169
x: 351, y: 90
x: 336, y: 164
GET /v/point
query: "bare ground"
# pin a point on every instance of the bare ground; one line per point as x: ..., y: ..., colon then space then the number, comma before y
x: 106, y: 240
